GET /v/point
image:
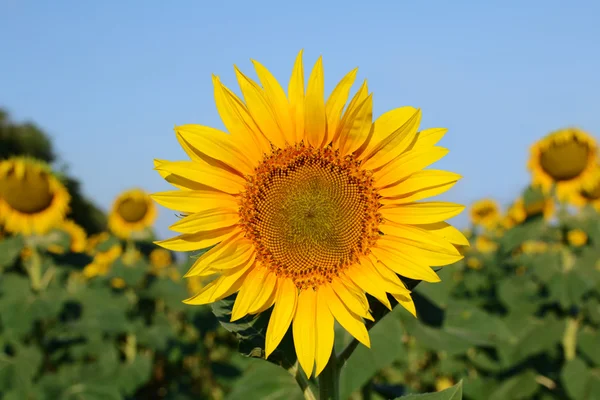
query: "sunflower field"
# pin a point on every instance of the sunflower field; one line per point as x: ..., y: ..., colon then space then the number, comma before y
x: 398, y: 305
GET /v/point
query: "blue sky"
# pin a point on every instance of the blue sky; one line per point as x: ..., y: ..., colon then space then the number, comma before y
x: 109, y: 80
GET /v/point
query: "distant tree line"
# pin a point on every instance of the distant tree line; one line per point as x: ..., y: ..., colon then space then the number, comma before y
x: 27, y: 139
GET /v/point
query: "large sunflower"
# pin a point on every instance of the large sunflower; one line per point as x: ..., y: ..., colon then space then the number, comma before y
x: 32, y: 199
x: 565, y: 158
x: 309, y: 206
x: 132, y: 213
x: 485, y: 212
x: 589, y: 192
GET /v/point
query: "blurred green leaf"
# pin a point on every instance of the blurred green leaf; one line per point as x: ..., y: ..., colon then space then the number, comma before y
x: 10, y: 249
x: 263, y: 380
x: 453, y: 393
x: 520, y: 387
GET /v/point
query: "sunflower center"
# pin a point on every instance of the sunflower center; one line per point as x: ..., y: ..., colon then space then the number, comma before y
x: 565, y: 160
x: 28, y: 194
x: 310, y: 213
x: 132, y: 210
x: 485, y: 212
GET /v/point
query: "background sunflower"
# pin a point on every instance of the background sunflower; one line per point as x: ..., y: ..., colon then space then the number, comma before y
x: 132, y: 214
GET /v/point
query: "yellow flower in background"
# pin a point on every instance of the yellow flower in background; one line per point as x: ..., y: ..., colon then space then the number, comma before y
x: 95, y: 268
x: 577, y: 237
x: 534, y: 247
x: 294, y: 199
x: 133, y: 211
x: 160, y: 258
x: 565, y: 158
x: 108, y: 256
x: 474, y: 263
x: 32, y: 199
x: 443, y: 383
x: 486, y: 213
x: 485, y: 245
x: 94, y: 240
x: 589, y: 192
x: 118, y: 283
x: 77, y: 235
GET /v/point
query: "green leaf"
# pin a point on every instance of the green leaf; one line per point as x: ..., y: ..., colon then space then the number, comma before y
x: 452, y: 393
x: 251, y: 333
x: 386, y: 347
x: 587, y: 343
x: 17, y: 371
x: 439, y: 293
x: 10, y: 249
x: 134, y: 375
x: 514, y: 237
x: 131, y: 274
x: 519, y: 387
x: 263, y: 380
x: 474, y: 325
x: 575, y: 377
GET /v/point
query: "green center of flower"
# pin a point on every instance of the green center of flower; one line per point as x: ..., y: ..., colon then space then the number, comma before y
x: 132, y: 209
x: 565, y: 160
x: 28, y: 194
x: 310, y: 214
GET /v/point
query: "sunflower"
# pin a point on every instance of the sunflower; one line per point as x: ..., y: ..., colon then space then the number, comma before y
x: 160, y: 258
x: 520, y: 210
x: 485, y: 245
x: 565, y: 158
x: 486, y: 213
x: 309, y: 207
x: 577, y: 237
x: 132, y: 213
x: 589, y: 192
x: 77, y: 235
x: 32, y: 199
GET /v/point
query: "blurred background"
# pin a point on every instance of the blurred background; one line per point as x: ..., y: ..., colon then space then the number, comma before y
x: 94, y: 90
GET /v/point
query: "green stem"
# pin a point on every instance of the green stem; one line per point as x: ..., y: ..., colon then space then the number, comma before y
x: 34, y: 270
x: 303, y: 382
x: 329, y: 380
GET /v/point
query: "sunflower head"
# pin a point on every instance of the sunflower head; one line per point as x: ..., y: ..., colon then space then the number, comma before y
x: 589, y: 191
x: 132, y: 213
x: 486, y: 213
x: 577, y: 237
x: 160, y: 258
x: 485, y: 245
x: 309, y: 205
x: 32, y: 199
x: 565, y: 158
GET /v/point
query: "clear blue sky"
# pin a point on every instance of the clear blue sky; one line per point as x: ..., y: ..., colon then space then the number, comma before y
x: 109, y: 79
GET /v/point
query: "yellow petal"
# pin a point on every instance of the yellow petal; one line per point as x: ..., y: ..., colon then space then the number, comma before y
x: 393, y: 283
x: 355, y: 130
x: 197, y: 241
x: 337, y: 100
x: 350, y: 321
x: 422, y: 213
x: 226, y: 247
x: 407, y: 302
x: 447, y: 231
x: 402, y: 265
x: 283, y: 312
x: 260, y: 109
x: 217, y: 145
x: 205, y: 174
x: 238, y: 121
x: 359, y: 97
x: 425, y: 253
x: 315, y: 119
x: 193, y: 201
x: 419, y: 185
x: 324, y: 332
x: 349, y: 298
x: 366, y: 278
x: 246, y: 254
x: 276, y: 97
x: 401, y: 133
x: 221, y: 287
x: 177, y: 181
x: 296, y: 96
x: 248, y: 293
x: 416, y: 234
x: 429, y: 137
x: 207, y: 220
x: 407, y: 164
x: 304, y: 328
x: 266, y: 295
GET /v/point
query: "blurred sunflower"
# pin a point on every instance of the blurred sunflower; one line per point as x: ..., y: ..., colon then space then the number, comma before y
x: 309, y: 207
x: 589, y: 192
x: 520, y: 210
x: 32, y: 199
x: 132, y: 212
x: 77, y: 235
x: 577, y: 237
x: 485, y: 245
x: 160, y: 258
x: 486, y: 213
x: 565, y: 158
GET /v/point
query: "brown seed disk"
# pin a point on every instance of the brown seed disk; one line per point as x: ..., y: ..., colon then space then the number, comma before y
x: 310, y: 213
